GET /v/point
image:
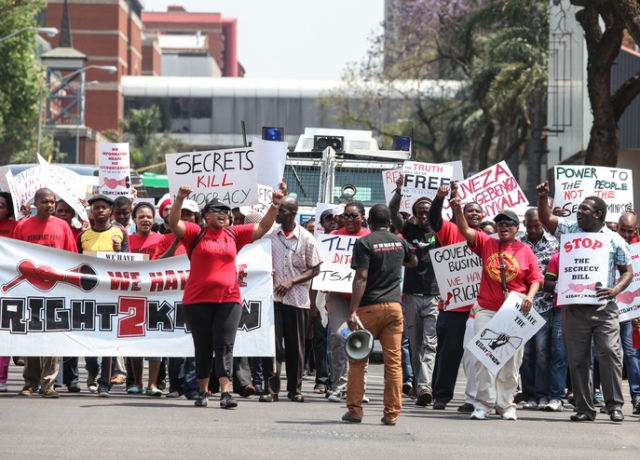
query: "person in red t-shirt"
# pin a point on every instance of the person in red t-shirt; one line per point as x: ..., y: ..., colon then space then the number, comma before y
x: 7, y: 225
x: 47, y: 230
x: 338, y: 305
x: 212, y: 294
x: 508, y: 266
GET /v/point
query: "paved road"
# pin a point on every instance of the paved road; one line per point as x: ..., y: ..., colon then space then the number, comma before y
x: 125, y: 426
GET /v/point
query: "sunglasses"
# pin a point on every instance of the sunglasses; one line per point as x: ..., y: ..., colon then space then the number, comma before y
x: 507, y: 223
x: 215, y: 209
x: 353, y: 215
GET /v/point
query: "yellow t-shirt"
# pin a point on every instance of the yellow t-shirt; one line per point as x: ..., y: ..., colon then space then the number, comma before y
x: 92, y: 240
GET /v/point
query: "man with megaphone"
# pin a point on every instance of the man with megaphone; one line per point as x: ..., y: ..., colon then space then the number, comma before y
x: 376, y: 307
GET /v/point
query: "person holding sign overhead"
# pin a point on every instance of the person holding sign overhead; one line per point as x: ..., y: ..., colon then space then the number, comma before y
x: 508, y: 266
x: 583, y: 324
x: 212, y: 295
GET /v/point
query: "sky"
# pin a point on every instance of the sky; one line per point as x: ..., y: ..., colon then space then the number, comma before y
x: 299, y: 39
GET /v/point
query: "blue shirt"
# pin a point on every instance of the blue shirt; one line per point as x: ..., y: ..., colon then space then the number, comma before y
x: 543, y: 250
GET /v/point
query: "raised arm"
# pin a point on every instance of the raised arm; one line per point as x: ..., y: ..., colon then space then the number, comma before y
x: 466, y: 231
x: 394, y: 205
x: 175, y: 224
x: 265, y: 224
x: 547, y: 219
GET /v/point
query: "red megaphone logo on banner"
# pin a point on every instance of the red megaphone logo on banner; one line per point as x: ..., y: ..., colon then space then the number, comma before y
x: 44, y: 278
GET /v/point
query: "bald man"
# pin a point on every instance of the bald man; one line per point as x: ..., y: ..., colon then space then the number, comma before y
x: 628, y: 230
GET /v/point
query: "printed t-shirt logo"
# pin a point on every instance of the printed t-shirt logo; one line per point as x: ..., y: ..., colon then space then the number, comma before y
x: 511, y: 267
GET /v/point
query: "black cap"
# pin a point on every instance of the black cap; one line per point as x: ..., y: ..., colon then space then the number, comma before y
x: 215, y: 203
x: 104, y: 198
x: 506, y: 214
x: 326, y: 213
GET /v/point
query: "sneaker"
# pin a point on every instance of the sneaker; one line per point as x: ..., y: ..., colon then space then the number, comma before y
x: 636, y: 407
x: 439, y: 405
x: 269, y: 398
x: 555, y: 405
x: 73, y: 388
x: 3, y: 387
x: 347, y: 418
x: 542, y: 404
x: 509, y: 414
x: 92, y: 383
x: 365, y: 399
x: 259, y: 389
x: 334, y: 396
x: 227, y: 401
x: 531, y: 405
x: 466, y: 408
x: 387, y: 422
x: 518, y: 397
x: 598, y: 400
x: 50, y: 393
x: 27, y: 391
x: 173, y: 395
x: 103, y: 392
x: 201, y: 400
x: 424, y: 398
x: 406, y: 388
x: 479, y: 414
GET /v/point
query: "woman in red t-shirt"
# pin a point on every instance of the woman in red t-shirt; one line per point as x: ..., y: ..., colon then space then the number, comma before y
x: 212, y: 294
x: 508, y: 265
x: 7, y: 225
x: 338, y: 306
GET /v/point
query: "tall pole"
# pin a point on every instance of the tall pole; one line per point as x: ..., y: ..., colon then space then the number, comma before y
x: 40, y: 118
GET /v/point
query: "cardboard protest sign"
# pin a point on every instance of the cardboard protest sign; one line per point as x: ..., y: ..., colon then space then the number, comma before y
x: 114, y: 172
x: 458, y: 172
x: 629, y: 300
x: 505, y: 334
x: 458, y: 273
x: 424, y: 179
x: 584, y: 261
x: 270, y: 158
x: 389, y: 178
x: 336, y: 274
x: 495, y: 189
x: 58, y: 303
x: 229, y: 175
x: 574, y: 183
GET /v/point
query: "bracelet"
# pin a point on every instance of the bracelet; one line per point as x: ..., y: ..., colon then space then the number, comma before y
x: 275, y: 206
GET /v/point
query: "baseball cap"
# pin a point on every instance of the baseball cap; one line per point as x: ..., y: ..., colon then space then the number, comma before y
x: 326, y: 213
x: 104, y: 198
x: 216, y: 203
x: 190, y: 205
x: 506, y: 214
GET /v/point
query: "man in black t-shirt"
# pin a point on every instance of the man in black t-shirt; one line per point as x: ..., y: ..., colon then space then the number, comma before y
x: 420, y: 293
x: 378, y: 259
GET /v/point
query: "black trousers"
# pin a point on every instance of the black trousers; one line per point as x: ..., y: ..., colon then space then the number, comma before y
x: 450, y: 331
x: 213, y: 329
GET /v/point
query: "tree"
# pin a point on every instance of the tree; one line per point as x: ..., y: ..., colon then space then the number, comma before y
x: 604, y: 23
x: 20, y: 78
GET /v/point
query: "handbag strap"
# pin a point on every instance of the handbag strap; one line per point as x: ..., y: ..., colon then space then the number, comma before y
x: 503, y: 277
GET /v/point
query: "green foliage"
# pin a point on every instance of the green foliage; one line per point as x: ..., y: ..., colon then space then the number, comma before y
x: 20, y: 77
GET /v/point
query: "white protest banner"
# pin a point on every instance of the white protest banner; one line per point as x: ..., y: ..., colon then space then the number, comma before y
x: 495, y: 189
x: 584, y: 261
x: 336, y: 274
x: 270, y: 157
x: 113, y: 160
x: 229, y: 175
x: 458, y: 171
x: 504, y: 334
x: 10, y: 187
x: 389, y: 178
x: 57, y: 303
x: 424, y: 179
x: 574, y: 183
x: 458, y: 273
x: 629, y: 300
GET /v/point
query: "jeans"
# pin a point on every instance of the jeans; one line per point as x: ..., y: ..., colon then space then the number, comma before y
x: 407, y: 370
x: 535, y: 370
x: 422, y: 315
x: 319, y: 345
x: 557, y: 358
x: 631, y: 360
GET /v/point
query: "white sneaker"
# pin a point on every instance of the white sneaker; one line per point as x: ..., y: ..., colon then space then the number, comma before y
x: 542, y: 404
x: 334, y: 397
x: 554, y: 405
x: 479, y: 414
x: 365, y: 399
x: 509, y: 415
x: 532, y: 405
x: 3, y: 387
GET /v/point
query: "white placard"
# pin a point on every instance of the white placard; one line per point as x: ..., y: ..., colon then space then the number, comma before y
x: 57, y: 303
x: 270, y: 158
x: 389, y: 178
x: 336, y: 274
x: 584, y: 261
x: 629, y: 300
x: 115, y: 170
x: 574, y: 183
x: 229, y: 175
x: 504, y: 334
x: 424, y: 179
x: 495, y: 189
x: 458, y: 273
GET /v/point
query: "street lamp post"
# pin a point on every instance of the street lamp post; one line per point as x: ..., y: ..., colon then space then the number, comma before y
x: 107, y: 68
x: 49, y: 31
